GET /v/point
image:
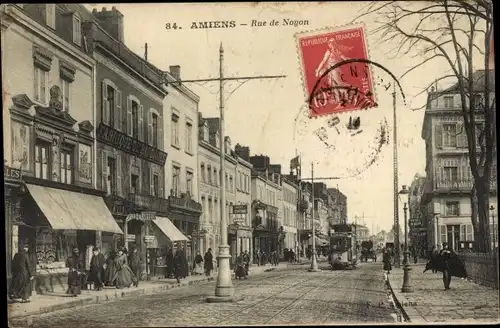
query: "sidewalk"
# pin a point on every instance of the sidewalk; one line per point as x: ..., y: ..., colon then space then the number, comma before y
x: 44, y: 303
x: 430, y: 303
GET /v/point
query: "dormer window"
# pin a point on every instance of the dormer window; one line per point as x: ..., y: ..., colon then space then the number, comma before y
x: 77, y: 32
x: 205, y: 133
x: 50, y: 15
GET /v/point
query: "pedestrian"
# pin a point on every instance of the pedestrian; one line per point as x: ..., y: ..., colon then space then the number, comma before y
x: 239, y: 267
x: 124, y: 277
x: 276, y: 258
x: 97, y: 263
x: 170, y: 263
x: 21, y: 275
x: 445, y: 255
x: 198, y: 264
x: 258, y: 255
x: 387, y: 260
x: 110, y: 271
x: 135, y: 262
x: 74, y: 264
x: 180, y: 265
x: 432, y: 258
x: 208, y: 262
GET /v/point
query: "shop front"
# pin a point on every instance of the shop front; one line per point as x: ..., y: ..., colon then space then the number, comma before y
x: 239, y: 233
x: 56, y: 217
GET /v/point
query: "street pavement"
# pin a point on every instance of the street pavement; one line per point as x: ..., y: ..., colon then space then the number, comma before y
x: 282, y: 296
x: 430, y: 303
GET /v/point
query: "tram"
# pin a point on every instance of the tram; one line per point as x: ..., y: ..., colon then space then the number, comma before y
x: 343, y: 250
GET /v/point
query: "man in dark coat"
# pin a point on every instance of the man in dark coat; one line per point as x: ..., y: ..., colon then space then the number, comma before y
x: 97, y: 268
x: 21, y: 275
x: 170, y: 263
x: 208, y: 262
x: 246, y: 260
x: 134, y: 262
x: 75, y: 265
x: 180, y: 265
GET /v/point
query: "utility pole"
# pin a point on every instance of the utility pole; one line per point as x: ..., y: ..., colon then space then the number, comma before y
x: 397, y: 245
x: 146, y: 51
x: 224, y: 290
x: 314, y: 263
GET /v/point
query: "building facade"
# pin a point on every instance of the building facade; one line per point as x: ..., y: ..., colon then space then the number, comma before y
x: 49, y: 136
x: 290, y: 213
x: 339, y: 206
x: 242, y: 211
x: 417, y: 214
x: 181, y: 169
x: 450, y: 181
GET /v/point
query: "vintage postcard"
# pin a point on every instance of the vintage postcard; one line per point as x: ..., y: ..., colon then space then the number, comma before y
x: 249, y: 164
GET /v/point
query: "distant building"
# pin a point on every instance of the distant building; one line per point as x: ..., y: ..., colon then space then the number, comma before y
x: 447, y: 193
x: 339, y: 206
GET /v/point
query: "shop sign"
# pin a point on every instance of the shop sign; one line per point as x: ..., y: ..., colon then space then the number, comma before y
x: 126, y: 143
x: 11, y: 173
x: 240, y: 209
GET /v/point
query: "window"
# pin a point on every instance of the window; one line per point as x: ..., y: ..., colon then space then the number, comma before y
x: 452, y: 208
x: 209, y: 174
x: 216, y: 178
x: 50, y: 15
x: 448, y: 101
x: 176, y: 176
x: 189, y: 137
x: 42, y: 160
x: 451, y: 173
x: 189, y: 182
x: 110, y: 110
x: 202, y: 172
x: 111, y: 182
x: 66, y: 165
x: 449, y: 135
x: 77, y: 34
x: 443, y: 236
x: 134, y: 184
x: 41, y: 78
x: 154, y: 126
x: 156, y: 185
x: 175, y: 130
x: 135, y: 119
x: 469, y: 232
x: 66, y: 92
x: 231, y: 183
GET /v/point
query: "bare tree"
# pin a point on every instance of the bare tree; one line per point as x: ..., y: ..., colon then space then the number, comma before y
x: 457, y: 33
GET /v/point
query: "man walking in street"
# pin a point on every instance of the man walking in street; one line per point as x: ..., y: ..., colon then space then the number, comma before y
x: 445, y: 255
x: 246, y: 260
x: 208, y: 262
x: 134, y: 261
x: 97, y: 263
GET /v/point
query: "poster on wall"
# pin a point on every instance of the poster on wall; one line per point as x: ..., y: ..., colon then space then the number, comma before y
x: 20, y: 145
x: 85, y: 161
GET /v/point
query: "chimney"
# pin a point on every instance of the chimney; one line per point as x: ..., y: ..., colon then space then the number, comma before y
x: 227, y: 145
x: 175, y: 71
x: 111, y: 21
x: 243, y: 152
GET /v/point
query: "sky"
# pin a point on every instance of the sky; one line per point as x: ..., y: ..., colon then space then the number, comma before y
x: 268, y: 114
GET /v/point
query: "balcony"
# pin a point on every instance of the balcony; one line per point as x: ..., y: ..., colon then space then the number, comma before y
x: 154, y: 204
x: 185, y: 203
x: 303, y: 205
x: 461, y: 185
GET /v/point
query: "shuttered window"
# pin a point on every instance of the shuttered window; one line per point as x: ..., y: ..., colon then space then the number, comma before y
x: 111, y: 106
x: 449, y: 135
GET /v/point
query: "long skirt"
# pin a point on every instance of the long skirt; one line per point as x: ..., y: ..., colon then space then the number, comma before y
x: 198, y: 269
x: 74, y: 283
x: 239, y: 271
x: 20, y: 286
x: 387, y: 266
x: 125, y: 277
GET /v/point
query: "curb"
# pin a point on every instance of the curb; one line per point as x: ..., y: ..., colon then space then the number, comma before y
x: 400, y: 311
x: 410, y: 315
x: 97, y: 299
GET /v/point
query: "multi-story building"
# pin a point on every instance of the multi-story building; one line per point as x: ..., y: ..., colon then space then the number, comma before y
x: 447, y: 165
x: 417, y: 222
x: 209, y: 147
x: 130, y: 155
x: 339, y: 206
x: 48, y: 121
x: 241, y: 212
x: 266, y: 188
x: 180, y: 108
x: 290, y: 213
x: 305, y: 216
x: 321, y: 206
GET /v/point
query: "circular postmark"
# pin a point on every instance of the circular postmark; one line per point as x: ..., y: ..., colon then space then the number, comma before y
x: 348, y: 141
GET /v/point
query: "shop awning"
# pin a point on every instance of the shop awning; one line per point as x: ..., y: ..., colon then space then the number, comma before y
x: 318, y: 241
x: 169, y: 229
x: 68, y: 210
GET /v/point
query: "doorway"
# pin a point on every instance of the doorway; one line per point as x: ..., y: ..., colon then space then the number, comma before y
x: 453, y: 236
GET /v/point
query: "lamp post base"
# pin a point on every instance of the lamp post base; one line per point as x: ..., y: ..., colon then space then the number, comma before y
x: 314, y: 265
x: 224, y: 290
x: 407, y: 287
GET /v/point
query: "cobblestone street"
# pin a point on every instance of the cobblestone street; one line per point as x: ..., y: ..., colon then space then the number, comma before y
x: 279, y: 297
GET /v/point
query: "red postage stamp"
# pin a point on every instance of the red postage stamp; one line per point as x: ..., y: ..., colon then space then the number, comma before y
x: 335, y: 68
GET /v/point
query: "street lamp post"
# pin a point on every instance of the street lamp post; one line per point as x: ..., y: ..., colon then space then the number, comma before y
x: 407, y: 288
x: 314, y: 263
x: 492, y: 209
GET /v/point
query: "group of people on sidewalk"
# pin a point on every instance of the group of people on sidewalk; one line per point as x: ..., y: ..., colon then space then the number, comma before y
x: 242, y: 265
x: 205, y: 264
x: 262, y: 258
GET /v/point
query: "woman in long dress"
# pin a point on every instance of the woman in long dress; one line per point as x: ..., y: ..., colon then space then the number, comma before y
x: 21, y: 276
x: 75, y: 266
x: 124, y: 276
x: 198, y: 264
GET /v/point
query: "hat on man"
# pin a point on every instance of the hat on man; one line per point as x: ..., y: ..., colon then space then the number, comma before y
x: 95, y: 249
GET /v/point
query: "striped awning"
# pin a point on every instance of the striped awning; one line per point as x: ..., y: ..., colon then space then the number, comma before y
x: 68, y: 210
